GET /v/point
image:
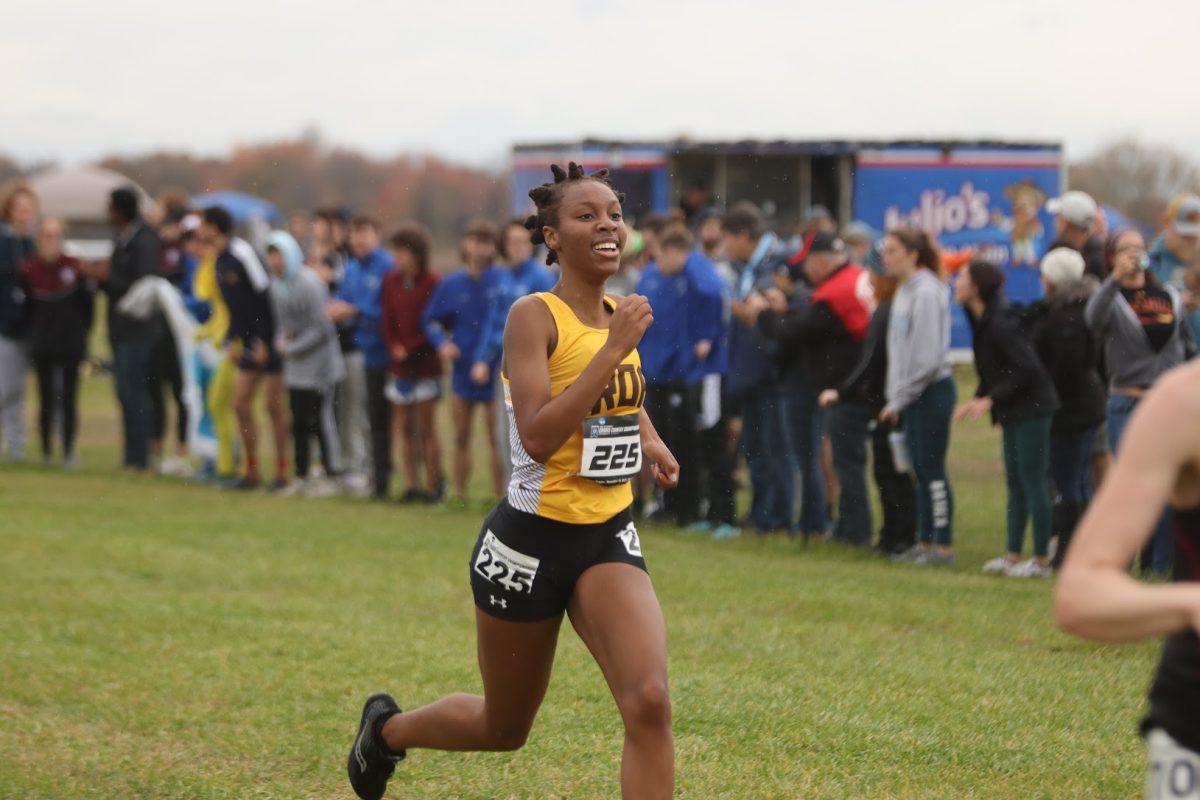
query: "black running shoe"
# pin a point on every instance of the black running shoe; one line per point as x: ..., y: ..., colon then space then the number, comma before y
x: 371, y: 761
x: 247, y: 484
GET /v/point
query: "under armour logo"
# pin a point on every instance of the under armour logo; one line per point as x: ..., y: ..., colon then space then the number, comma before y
x: 499, y: 601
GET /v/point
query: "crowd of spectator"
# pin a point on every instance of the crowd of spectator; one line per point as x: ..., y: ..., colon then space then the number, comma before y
x: 805, y: 358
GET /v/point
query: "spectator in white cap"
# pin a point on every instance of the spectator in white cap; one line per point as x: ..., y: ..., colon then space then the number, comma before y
x: 1070, y: 351
x: 1075, y: 214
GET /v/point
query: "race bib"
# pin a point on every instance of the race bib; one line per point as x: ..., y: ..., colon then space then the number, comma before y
x: 499, y: 564
x: 612, y: 449
x: 1173, y: 772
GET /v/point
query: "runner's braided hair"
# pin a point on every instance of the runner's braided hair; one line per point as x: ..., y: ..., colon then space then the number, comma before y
x: 548, y: 196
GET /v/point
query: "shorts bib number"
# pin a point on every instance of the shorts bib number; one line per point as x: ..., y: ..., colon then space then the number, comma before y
x: 1173, y: 772
x: 612, y: 449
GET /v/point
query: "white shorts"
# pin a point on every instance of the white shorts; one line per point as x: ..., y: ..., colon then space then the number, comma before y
x: 1172, y: 771
x: 409, y: 391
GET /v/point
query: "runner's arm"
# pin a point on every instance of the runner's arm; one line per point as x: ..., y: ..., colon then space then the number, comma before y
x: 1097, y: 598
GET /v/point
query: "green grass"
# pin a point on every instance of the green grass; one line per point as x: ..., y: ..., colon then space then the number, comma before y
x: 165, y: 640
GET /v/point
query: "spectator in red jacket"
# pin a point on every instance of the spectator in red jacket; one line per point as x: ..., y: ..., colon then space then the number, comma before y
x: 416, y: 369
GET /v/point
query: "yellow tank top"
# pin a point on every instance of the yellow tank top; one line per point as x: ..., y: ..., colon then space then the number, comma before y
x: 205, y: 287
x: 587, y: 479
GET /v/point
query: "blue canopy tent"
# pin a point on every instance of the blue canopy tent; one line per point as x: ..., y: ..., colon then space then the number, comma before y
x: 243, y: 207
x: 1118, y: 221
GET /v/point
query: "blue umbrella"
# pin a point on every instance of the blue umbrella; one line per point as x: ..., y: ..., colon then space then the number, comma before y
x: 241, y: 207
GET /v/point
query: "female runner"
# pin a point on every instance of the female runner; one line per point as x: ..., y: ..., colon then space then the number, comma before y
x: 564, y: 539
x: 1158, y: 464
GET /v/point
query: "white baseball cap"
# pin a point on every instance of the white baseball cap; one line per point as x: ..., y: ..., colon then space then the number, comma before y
x: 1062, y: 265
x: 1076, y: 207
x: 1184, y: 211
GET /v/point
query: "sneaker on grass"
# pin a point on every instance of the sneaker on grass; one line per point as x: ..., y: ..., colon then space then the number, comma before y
x: 371, y: 761
x: 321, y: 487
x: 935, y: 558
x: 726, y: 531
x: 1029, y: 569
x: 910, y: 556
x: 294, y: 488
x: 998, y: 565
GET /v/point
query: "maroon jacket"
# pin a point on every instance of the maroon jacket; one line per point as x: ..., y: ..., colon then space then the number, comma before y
x: 402, y: 302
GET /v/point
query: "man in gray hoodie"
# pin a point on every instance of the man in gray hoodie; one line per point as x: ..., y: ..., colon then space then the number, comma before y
x: 312, y: 359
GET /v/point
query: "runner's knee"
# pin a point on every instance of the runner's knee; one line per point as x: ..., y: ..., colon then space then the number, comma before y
x: 508, y: 736
x: 647, y: 706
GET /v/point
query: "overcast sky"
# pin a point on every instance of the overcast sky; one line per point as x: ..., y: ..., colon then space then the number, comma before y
x: 85, y: 78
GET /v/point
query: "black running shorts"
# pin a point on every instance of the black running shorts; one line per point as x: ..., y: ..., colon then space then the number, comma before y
x: 524, y: 567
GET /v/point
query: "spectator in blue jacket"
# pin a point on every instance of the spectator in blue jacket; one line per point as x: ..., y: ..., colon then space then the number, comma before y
x: 454, y: 322
x: 671, y: 350
x: 358, y: 300
x: 754, y: 386
x: 519, y: 273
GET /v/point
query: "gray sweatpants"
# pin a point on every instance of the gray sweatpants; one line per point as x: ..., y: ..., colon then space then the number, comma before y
x: 351, y: 406
x: 14, y: 363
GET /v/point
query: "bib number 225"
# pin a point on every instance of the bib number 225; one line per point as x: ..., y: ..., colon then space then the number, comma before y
x: 612, y: 449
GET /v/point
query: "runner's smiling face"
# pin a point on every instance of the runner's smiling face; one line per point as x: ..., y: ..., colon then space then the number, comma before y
x: 589, y: 234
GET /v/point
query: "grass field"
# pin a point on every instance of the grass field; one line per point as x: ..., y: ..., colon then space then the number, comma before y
x: 166, y: 640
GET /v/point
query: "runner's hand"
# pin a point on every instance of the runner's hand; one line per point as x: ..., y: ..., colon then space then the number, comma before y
x: 663, y: 465
x: 480, y: 373
x: 629, y: 322
x: 260, y: 353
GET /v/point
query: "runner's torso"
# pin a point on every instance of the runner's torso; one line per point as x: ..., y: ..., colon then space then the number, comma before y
x: 587, y: 479
x: 1175, y: 693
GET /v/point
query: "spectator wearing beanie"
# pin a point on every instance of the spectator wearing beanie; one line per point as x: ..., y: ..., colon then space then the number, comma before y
x: 1071, y: 354
x: 829, y: 331
x: 1017, y: 390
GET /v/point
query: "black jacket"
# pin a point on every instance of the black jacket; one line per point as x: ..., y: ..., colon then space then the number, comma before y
x: 135, y: 255
x: 814, y: 339
x: 1071, y: 354
x: 14, y: 311
x: 867, y: 380
x: 787, y: 359
x: 1010, y: 372
x: 1093, y: 255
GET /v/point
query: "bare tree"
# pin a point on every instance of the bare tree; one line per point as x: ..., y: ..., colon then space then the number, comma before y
x: 1135, y: 177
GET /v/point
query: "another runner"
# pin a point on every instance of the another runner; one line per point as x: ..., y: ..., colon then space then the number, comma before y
x: 1158, y: 464
x: 564, y: 539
